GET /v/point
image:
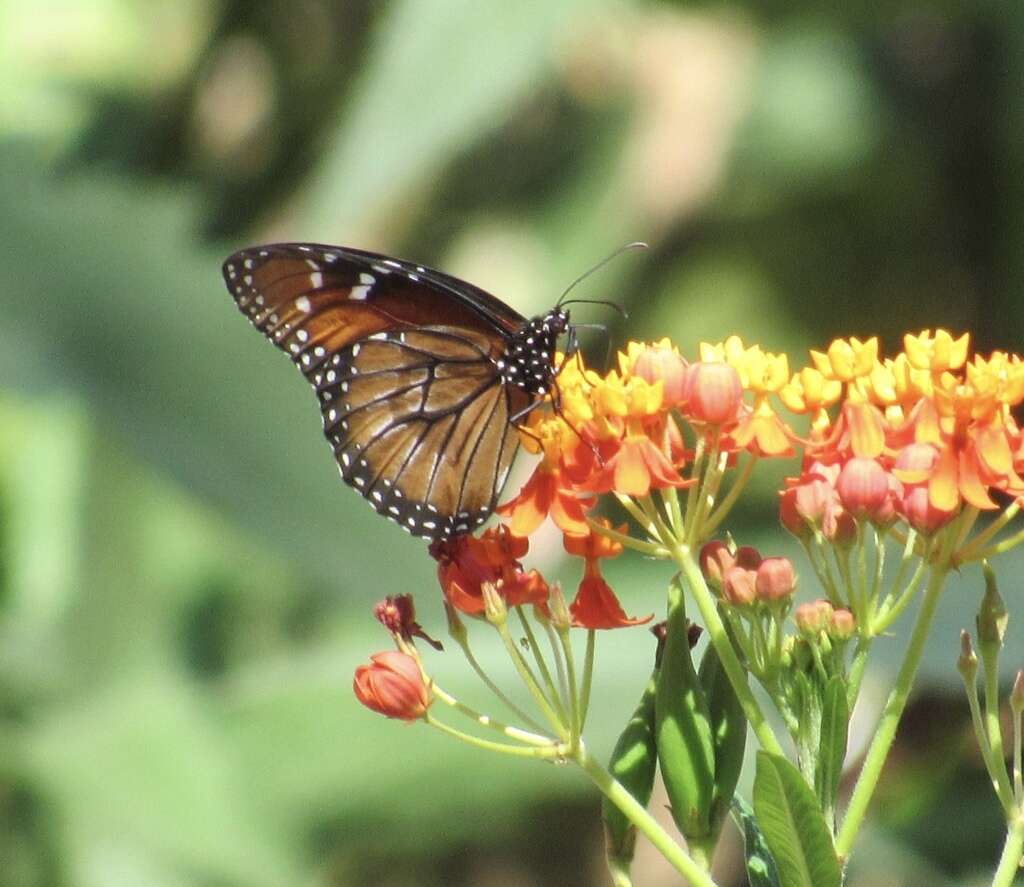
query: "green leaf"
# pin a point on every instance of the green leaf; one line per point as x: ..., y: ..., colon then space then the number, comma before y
x: 761, y: 868
x: 793, y: 825
x: 835, y: 718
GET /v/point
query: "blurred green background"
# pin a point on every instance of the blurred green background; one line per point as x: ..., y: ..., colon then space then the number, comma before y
x: 185, y: 588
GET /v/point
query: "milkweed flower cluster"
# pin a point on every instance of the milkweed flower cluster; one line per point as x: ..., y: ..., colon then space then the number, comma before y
x: 918, y: 453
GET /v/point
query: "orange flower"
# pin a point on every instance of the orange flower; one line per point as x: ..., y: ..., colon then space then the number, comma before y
x: 392, y: 685
x: 637, y: 467
x: 596, y: 606
x: 543, y: 495
x: 465, y: 563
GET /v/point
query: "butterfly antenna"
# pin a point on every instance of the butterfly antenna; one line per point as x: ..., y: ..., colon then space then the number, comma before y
x: 636, y: 244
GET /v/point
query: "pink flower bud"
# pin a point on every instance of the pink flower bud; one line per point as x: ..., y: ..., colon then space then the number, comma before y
x: 714, y: 392
x: 863, y: 487
x: 842, y: 530
x: 843, y: 625
x: 715, y: 558
x: 918, y: 511
x: 739, y: 586
x: 392, y: 685
x: 810, y: 503
x: 776, y: 579
x: 659, y: 363
x: 814, y: 617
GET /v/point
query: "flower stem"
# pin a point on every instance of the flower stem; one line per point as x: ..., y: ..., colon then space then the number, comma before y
x: 487, y: 721
x: 1009, y: 862
x: 588, y: 677
x: 677, y: 857
x: 538, y: 657
x: 720, y: 638
x: 967, y: 553
x: 527, y: 677
x: 648, y: 548
x: 549, y: 753
x: 725, y: 506
x: 496, y: 690
x: 886, y: 731
x: 575, y: 719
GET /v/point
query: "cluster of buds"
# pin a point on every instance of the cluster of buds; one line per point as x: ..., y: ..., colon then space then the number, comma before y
x: 743, y: 578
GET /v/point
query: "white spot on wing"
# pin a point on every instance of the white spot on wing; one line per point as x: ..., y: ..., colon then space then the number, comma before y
x: 303, y: 303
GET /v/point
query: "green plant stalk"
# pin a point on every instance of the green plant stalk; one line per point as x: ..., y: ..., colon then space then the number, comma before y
x: 487, y: 721
x: 549, y: 753
x: 1008, y: 513
x: 576, y: 721
x: 677, y: 857
x: 860, y: 660
x: 993, y: 767
x: 527, y: 677
x: 556, y: 655
x: 538, y: 657
x: 994, y: 731
x: 719, y: 637
x: 648, y: 548
x: 886, y: 731
x: 588, y: 677
x: 889, y: 614
x: 1009, y: 861
x: 999, y: 548
x: 725, y: 506
x: 495, y: 689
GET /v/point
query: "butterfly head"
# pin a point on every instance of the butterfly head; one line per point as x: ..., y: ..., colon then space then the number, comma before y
x: 530, y: 360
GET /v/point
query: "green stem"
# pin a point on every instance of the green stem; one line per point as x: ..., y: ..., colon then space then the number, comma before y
x: 648, y: 548
x: 995, y: 734
x: 487, y: 721
x: 496, y: 690
x: 860, y: 659
x: 575, y: 720
x: 538, y: 657
x: 677, y: 857
x: 551, y: 753
x: 967, y: 552
x: 726, y: 654
x: 888, y: 615
x: 1009, y: 862
x: 527, y: 677
x: 556, y: 654
x: 638, y: 515
x: 886, y: 731
x: 991, y: 764
x: 588, y: 677
x: 725, y: 506
x: 999, y: 548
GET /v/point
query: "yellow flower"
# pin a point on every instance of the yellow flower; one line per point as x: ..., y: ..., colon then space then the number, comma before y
x: 847, y: 359
x: 937, y: 354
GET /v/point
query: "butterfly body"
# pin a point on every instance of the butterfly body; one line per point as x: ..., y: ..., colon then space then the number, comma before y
x: 421, y: 377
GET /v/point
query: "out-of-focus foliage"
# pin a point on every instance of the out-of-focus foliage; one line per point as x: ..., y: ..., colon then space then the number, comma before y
x: 184, y: 586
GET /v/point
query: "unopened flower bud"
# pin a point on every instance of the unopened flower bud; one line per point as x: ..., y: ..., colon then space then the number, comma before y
x: 843, y: 530
x: 392, y: 685
x: 1017, y: 695
x: 739, y: 586
x: 992, y: 616
x: 560, y: 618
x: 748, y: 557
x: 813, y: 618
x: 863, y: 487
x: 916, y: 508
x: 967, y: 664
x: 714, y: 392
x: 843, y: 624
x: 715, y: 558
x: 776, y: 579
x: 662, y: 363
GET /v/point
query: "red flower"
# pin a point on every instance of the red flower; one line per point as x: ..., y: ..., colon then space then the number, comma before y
x: 596, y: 606
x: 542, y: 495
x: 392, y: 685
x: 465, y: 563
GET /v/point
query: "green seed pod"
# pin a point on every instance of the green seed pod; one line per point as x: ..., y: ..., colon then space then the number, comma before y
x: 728, y: 732
x: 633, y: 764
x: 686, y: 751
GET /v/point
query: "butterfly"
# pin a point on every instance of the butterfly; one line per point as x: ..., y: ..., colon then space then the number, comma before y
x: 422, y: 378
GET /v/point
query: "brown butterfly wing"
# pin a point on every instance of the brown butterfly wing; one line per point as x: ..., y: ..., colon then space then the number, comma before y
x: 404, y: 363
